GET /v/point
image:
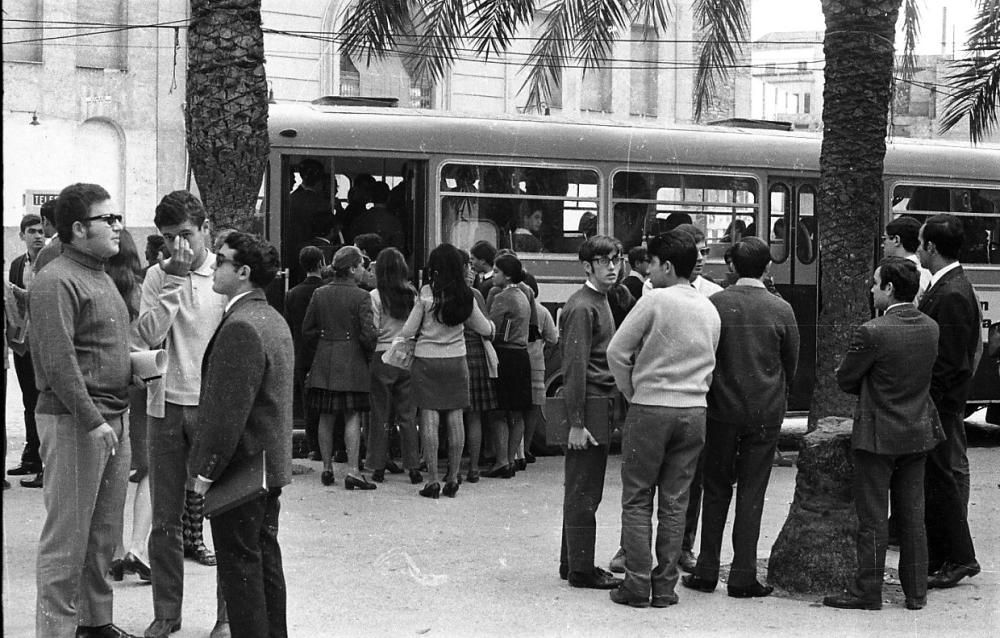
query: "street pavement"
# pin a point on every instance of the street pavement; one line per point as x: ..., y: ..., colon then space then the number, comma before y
x: 391, y: 563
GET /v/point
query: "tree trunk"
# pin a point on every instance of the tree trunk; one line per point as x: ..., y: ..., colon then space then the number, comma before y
x: 226, y: 114
x: 858, y: 48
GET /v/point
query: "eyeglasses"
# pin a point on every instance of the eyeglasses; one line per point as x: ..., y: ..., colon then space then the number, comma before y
x: 704, y: 252
x: 110, y: 219
x: 607, y: 261
x: 221, y: 259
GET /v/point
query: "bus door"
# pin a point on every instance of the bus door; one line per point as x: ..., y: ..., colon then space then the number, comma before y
x: 791, y: 232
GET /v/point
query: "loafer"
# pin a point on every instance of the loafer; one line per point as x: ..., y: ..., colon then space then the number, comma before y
x: 103, y: 631
x: 596, y: 579
x: 699, y: 584
x: 326, y: 478
x: 950, y: 574
x: 201, y: 555
x: 393, y: 467
x: 624, y: 597
x: 24, y: 469
x: 416, y: 478
x: 431, y: 490
x: 751, y: 591
x: 355, y: 483
x: 664, y: 600
x: 617, y: 564
x: 134, y: 565
x: 472, y: 476
x: 38, y: 481
x: 687, y: 561
x: 915, y: 604
x: 162, y: 627
x: 520, y: 465
x: 850, y: 601
x: 378, y: 476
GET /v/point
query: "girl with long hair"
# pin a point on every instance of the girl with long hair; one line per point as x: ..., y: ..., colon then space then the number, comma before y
x: 446, y: 306
x: 339, y: 328
x: 125, y: 269
x: 392, y: 302
x: 510, y: 311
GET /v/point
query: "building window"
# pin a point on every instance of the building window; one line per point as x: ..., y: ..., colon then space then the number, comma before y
x: 596, y: 90
x: 803, y: 66
x: 102, y: 34
x: 350, y: 79
x: 22, y: 31
x: 642, y: 76
x: 421, y: 93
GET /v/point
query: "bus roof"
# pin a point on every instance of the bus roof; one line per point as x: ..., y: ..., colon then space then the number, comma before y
x: 413, y: 132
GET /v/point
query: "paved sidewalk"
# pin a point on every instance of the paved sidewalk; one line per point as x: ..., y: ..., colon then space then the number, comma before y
x: 389, y: 562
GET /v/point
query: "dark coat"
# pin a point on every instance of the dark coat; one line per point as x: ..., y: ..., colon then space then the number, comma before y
x: 246, y: 393
x: 889, y: 365
x: 340, y: 328
x: 296, y: 301
x: 952, y: 303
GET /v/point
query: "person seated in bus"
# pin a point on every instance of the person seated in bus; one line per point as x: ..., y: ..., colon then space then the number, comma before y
x: 778, y: 249
x: 736, y: 231
x: 377, y: 219
x: 525, y: 236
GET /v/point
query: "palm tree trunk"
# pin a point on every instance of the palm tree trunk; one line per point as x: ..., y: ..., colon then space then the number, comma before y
x: 815, y: 551
x: 226, y: 115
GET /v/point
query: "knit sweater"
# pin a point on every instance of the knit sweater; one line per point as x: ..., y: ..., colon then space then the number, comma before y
x: 510, y: 313
x: 435, y: 340
x: 756, y: 358
x: 585, y: 329
x: 80, y: 340
x: 181, y: 313
x: 386, y: 326
x: 664, y: 352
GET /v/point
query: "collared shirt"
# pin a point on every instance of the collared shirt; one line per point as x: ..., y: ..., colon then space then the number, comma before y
x: 936, y: 277
x: 750, y: 281
x: 925, y: 278
x: 235, y: 299
x: 588, y: 284
x: 896, y: 305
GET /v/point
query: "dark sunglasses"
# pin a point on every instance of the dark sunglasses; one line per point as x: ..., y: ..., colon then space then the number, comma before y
x: 110, y: 219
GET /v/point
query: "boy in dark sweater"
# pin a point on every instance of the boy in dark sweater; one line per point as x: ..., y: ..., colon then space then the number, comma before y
x: 755, y: 364
x: 586, y: 327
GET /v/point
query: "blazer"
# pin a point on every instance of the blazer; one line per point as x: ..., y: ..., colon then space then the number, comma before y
x: 889, y: 365
x: 16, y: 276
x: 339, y: 328
x: 296, y: 302
x: 246, y: 393
x: 952, y: 303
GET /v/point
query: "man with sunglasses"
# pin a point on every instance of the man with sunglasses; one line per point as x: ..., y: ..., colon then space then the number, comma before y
x: 179, y: 311
x: 80, y: 350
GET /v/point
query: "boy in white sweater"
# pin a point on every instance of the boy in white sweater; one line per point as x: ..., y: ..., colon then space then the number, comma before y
x: 662, y: 358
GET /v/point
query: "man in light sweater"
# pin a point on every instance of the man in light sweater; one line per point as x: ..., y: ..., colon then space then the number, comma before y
x: 755, y: 365
x: 180, y: 311
x: 662, y: 359
x: 585, y: 327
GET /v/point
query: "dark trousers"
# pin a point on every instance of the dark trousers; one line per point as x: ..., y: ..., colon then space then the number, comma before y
x: 250, y: 573
x: 740, y: 454
x: 584, y: 487
x: 29, y: 396
x: 875, y: 477
x: 660, y: 448
x: 694, y: 505
x: 948, y: 535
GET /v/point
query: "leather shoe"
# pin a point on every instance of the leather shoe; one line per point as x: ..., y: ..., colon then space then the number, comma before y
x: 201, y: 555
x: 355, y: 483
x: 38, y: 481
x: 102, y: 631
x: 134, y: 565
x: 220, y: 630
x: 162, y: 627
x: 340, y: 456
x: 393, y: 467
x: 596, y: 579
x: 416, y: 478
x: 850, y: 601
x: 617, y: 564
x: 623, y: 597
x: 378, y: 476
x: 916, y: 603
x: 687, y: 561
x: 472, y: 476
x: 751, y: 591
x: 699, y: 584
x: 24, y: 469
x: 326, y: 478
x: 950, y: 574
x: 664, y: 600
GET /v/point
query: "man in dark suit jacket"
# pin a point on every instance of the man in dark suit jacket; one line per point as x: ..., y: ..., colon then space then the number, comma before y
x: 888, y: 365
x: 952, y: 303
x: 296, y: 301
x: 245, y: 409
x: 21, y: 273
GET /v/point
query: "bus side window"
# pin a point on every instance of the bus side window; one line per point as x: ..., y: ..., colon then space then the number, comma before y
x: 777, y: 226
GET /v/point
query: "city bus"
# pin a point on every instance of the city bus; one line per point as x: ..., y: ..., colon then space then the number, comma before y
x: 464, y: 178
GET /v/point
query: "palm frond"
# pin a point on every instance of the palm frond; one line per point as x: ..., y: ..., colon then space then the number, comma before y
x: 601, y: 22
x: 440, y: 29
x: 550, y: 53
x: 911, y: 31
x: 652, y: 14
x: 723, y: 25
x: 974, y: 83
x: 370, y: 27
x: 494, y: 23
